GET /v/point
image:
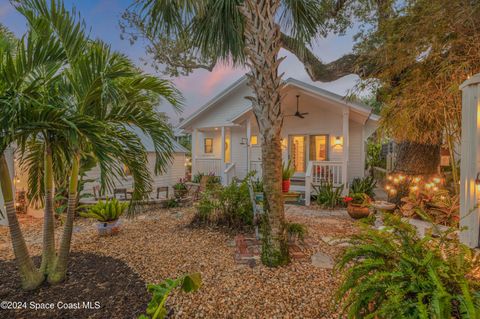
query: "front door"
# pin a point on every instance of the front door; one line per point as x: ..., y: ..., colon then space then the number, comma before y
x: 298, y: 153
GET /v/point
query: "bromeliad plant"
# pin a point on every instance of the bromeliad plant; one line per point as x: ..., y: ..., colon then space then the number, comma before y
x: 393, y: 273
x: 328, y: 196
x: 156, y: 307
x: 364, y: 185
x: 287, y: 173
x: 108, y: 211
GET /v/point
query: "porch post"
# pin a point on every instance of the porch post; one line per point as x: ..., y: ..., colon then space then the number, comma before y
x: 194, y: 150
x: 469, y: 212
x: 222, y: 150
x: 346, y: 148
x: 249, y: 135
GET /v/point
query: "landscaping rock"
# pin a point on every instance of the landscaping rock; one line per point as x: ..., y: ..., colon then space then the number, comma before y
x: 160, y: 246
x: 322, y: 260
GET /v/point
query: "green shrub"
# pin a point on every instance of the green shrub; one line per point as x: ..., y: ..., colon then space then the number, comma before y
x: 156, y: 307
x: 392, y: 273
x: 172, y: 203
x: 229, y: 205
x: 296, y: 231
x: 197, y: 178
x: 329, y: 196
x: 364, y: 185
x: 107, y: 211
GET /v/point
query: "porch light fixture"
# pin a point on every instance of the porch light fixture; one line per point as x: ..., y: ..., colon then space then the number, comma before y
x: 337, y: 142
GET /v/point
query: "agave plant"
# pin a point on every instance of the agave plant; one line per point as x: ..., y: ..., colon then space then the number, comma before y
x: 107, y: 211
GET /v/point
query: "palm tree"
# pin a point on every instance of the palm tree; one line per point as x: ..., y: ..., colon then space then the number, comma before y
x: 103, y: 94
x: 246, y: 32
x: 25, y: 68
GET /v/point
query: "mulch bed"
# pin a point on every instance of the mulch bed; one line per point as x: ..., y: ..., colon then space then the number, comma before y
x: 119, y: 291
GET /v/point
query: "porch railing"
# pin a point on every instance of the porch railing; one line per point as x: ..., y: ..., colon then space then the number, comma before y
x: 323, y: 172
x: 209, y: 166
x: 230, y: 173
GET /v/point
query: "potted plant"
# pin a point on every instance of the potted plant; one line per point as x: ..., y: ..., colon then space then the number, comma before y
x: 287, y: 173
x: 180, y: 189
x: 358, y: 205
x: 107, y: 214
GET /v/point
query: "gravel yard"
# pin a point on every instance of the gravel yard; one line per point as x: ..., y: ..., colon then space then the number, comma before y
x: 162, y: 244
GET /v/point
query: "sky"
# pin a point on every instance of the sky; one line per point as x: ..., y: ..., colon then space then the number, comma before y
x: 102, y: 18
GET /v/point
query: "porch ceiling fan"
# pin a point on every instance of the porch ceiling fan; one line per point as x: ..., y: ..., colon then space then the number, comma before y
x: 298, y: 113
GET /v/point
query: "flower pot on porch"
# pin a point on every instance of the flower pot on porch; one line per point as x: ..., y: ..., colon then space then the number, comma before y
x: 108, y: 228
x: 357, y: 211
x: 286, y: 186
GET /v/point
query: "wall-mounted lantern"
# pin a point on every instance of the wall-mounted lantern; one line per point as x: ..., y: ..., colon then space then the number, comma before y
x: 337, y: 142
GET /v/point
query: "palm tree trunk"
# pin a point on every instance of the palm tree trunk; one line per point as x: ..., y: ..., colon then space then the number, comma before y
x: 48, y: 254
x: 29, y: 275
x: 262, y: 44
x: 60, y: 269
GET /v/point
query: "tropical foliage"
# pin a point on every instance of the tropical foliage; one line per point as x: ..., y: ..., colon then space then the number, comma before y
x: 287, y: 171
x: 436, y: 206
x: 392, y: 273
x: 156, y: 307
x: 65, y: 98
x: 106, y: 211
x: 226, y: 205
x: 328, y: 196
x: 364, y: 185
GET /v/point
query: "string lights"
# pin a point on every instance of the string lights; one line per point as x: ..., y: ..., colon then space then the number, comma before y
x: 416, y: 183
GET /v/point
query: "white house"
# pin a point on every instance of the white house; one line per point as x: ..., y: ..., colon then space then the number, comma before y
x: 324, y: 141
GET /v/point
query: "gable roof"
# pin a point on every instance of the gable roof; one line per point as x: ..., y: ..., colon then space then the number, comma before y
x: 148, y: 142
x: 358, y: 106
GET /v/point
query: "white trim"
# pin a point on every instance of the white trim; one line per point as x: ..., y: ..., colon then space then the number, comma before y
x: 213, y: 101
x: 359, y: 107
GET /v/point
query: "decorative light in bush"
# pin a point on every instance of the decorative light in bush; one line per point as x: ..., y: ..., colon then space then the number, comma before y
x: 415, y: 184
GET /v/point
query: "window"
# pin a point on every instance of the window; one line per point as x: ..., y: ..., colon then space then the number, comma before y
x: 318, y: 147
x: 253, y: 140
x: 208, y: 145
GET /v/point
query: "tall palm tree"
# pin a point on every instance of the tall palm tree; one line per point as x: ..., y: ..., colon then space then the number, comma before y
x: 26, y: 67
x: 103, y: 95
x: 246, y: 32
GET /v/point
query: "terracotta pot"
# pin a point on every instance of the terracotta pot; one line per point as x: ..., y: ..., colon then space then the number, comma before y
x: 108, y: 228
x: 357, y: 211
x: 286, y: 186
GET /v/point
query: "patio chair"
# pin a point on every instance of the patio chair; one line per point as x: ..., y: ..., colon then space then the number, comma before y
x: 162, y: 189
x: 120, y: 191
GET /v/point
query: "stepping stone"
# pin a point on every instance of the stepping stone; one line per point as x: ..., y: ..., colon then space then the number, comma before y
x: 322, y: 260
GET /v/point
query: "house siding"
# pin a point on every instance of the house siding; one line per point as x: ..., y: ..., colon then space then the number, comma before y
x: 175, y: 170
x: 355, y: 158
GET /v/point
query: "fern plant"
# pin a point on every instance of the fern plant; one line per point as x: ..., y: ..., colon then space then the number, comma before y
x: 392, y: 273
x: 156, y: 307
x: 107, y: 211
